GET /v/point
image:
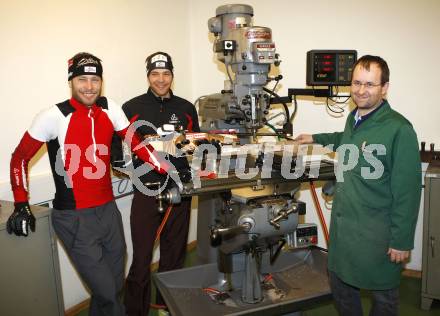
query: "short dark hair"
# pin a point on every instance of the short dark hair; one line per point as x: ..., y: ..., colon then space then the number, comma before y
x: 365, y: 62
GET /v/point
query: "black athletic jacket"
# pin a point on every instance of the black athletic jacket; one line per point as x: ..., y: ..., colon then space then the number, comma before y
x: 158, y: 111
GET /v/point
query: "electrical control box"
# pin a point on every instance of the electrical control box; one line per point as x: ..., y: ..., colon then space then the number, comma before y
x: 330, y: 67
x: 305, y: 235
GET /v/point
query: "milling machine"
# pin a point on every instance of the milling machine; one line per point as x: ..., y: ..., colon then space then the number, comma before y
x: 254, y: 256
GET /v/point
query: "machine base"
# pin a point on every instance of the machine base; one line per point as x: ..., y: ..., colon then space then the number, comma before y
x: 298, y: 279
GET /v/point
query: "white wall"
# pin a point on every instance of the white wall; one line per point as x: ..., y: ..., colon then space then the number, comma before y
x: 38, y: 37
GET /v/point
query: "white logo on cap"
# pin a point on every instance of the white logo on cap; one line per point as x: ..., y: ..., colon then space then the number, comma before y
x: 159, y: 57
x: 160, y: 64
x: 90, y: 69
x: 87, y: 61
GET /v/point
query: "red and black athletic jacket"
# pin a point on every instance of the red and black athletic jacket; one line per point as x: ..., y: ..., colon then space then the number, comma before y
x: 78, y: 142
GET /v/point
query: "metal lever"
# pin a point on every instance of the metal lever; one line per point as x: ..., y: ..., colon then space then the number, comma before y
x: 283, y: 214
x: 217, y: 233
x: 171, y: 196
x: 432, y: 245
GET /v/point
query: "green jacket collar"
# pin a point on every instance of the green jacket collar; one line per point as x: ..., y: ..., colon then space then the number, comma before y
x: 376, y: 115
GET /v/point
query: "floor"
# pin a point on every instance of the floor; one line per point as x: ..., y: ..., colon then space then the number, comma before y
x: 409, y: 300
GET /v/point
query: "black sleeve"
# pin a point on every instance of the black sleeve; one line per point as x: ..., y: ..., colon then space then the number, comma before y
x: 117, y: 155
x: 195, y: 119
x: 126, y: 111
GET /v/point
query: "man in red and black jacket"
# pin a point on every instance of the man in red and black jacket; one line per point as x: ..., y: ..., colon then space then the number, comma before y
x: 78, y: 133
x: 159, y: 106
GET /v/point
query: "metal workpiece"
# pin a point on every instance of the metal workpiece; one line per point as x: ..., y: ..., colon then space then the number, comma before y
x: 230, y: 182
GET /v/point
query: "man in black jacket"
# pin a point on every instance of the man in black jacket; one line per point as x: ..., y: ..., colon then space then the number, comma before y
x: 159, y: 106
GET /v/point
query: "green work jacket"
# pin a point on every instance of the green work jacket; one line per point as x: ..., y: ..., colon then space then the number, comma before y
x: 376, y: 199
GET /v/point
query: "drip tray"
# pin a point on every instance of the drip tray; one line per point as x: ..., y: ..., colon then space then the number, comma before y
x: 297, y: 280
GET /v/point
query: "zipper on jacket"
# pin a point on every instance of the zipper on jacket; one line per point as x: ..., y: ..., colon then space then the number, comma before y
x: 90, y: 115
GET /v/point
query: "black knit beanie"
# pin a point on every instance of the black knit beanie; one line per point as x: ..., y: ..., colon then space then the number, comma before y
x: 159, y: 60
x: 84, y: 64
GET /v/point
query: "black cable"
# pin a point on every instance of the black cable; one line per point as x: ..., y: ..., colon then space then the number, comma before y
x: 341, y: 102
x: 277, y: 251
x: 271, y: 127
x: 275, y: 130
x: 275, y: 86
x: 295, y: 104
x: 286, y: 109
x: 340, y: 96
x: 330, y: 109
x: 121, y: 189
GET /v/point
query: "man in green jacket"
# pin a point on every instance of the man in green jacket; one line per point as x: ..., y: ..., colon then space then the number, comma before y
x: 377, y: 195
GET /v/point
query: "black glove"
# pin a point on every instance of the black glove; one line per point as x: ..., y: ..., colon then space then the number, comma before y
x: 21, y: 220
x: 185, y: 175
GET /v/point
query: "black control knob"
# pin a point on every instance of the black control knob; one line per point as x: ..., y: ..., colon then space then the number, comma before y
x: 215, y: 238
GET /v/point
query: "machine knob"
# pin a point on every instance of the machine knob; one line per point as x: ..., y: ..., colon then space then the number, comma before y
x: 215, y: 238
x: 277, y: 61
x: 226, y: 91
